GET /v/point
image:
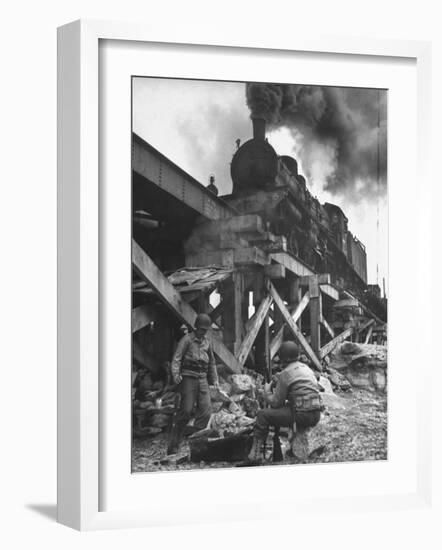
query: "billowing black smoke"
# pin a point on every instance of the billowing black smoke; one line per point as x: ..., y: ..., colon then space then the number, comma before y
x: 344, y: 129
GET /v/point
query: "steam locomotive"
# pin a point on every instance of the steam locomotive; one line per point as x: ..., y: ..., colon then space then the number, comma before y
x: 271, y: 186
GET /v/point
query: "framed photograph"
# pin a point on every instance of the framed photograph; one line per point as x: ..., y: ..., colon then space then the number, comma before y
x: 231, y: 214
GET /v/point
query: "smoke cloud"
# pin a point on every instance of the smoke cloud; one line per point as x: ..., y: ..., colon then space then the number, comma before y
x: 209, y: 136
x: 340, y: 133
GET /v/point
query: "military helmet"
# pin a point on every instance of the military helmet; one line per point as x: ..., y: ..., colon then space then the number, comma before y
x: 288, y: 351
x: 203, y: 321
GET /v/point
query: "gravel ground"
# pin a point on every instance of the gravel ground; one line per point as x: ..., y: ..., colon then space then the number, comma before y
x: 353, y: 428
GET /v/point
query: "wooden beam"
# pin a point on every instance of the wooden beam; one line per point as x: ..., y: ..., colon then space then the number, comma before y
x: 323, y: 279
x: 366, y: 325
x: 150, y: 273
x: 315, y: 313
x: 277, y: 339
x: 330, y: 346
x: 368, y: 336
x: 293, y: 327
x: 366, y: 310
x: 291, y: 263
x: 348, y: 302
x: 142, y: 316
x: 276, y: 342
x: 216, y: 312
x: 330, y: 291
x: 251, y: 255
x: 327, y: 327
x: 301, y: 270
x: 232, y: 296
x: 257, y: 321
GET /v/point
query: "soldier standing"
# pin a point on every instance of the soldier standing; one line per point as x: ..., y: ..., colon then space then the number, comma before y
x: 193, y: 369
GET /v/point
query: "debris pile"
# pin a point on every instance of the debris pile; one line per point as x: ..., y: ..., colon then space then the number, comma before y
x: 363, y: 365
x: 235, y: 404
x: 352, y: 427
x: 153, y: 404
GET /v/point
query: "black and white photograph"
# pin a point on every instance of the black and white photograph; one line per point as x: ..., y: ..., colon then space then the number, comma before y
x: 259, y: 274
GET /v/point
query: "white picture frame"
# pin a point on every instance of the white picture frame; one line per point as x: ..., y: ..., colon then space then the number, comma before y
x: 79, y: 269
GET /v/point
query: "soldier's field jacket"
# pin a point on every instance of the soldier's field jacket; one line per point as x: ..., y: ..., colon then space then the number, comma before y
x: 194, y: 357
x: 296, y: 384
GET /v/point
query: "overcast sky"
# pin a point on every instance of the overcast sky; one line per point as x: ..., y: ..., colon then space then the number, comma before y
x: 196, y: 124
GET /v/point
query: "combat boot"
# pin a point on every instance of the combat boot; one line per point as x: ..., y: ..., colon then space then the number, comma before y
x: 256, y: 452
x: 175, y: 438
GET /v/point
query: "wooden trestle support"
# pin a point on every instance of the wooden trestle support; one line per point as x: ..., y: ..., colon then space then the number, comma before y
x: 282, y: 288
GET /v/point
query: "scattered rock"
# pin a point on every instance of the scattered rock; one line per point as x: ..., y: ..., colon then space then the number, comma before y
x: 218, y: 394
x: 364, y: 365
x: 250, y: 406
x: 235, y: 409
x: 325, y: 384
x: 338, y: 380
x: 237, y: 398
x: 242, y: 383
x: 348, y: 348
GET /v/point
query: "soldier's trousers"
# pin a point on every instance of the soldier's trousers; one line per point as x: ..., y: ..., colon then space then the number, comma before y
x: 194, y: 392
x: 283, y: 417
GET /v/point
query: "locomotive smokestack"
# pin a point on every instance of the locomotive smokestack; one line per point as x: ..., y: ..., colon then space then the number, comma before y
x: 259, y: 128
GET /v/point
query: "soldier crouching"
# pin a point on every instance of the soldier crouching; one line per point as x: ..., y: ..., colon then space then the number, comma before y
x: 193, y: 369
x: 295, y: 403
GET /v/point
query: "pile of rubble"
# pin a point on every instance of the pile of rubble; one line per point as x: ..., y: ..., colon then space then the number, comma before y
x: 235, y: 404
x: 153, y: 405
x: 364, y: 366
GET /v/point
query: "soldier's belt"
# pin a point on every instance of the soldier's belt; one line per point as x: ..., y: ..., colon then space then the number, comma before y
x: 307, y: 403
x: 197, y: 368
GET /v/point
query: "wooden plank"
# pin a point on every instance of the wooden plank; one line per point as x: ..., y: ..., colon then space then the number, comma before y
x: 293, y: 327
x: 276, y: 342
x: 149, y: 272
x: 301, y: 306
x: 323, y: 279
x: 142, y: 316
x: 330, y: 291
x: 366, y: 310
x: 348, y: 302
x: 226, y: 356
x: 330, y: 346
x: 368, y: 336
x: 222, y: 258
x: 291, y: 263
x: 327, y: 327
x: 257, y: 321
x: 366, y: 325
x: 278, y: 338
x: 232, y: 323
x: 315, y: 313
x: 250, y: 255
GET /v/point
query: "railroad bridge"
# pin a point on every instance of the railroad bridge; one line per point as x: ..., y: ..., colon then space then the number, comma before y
x: 193, y: 252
